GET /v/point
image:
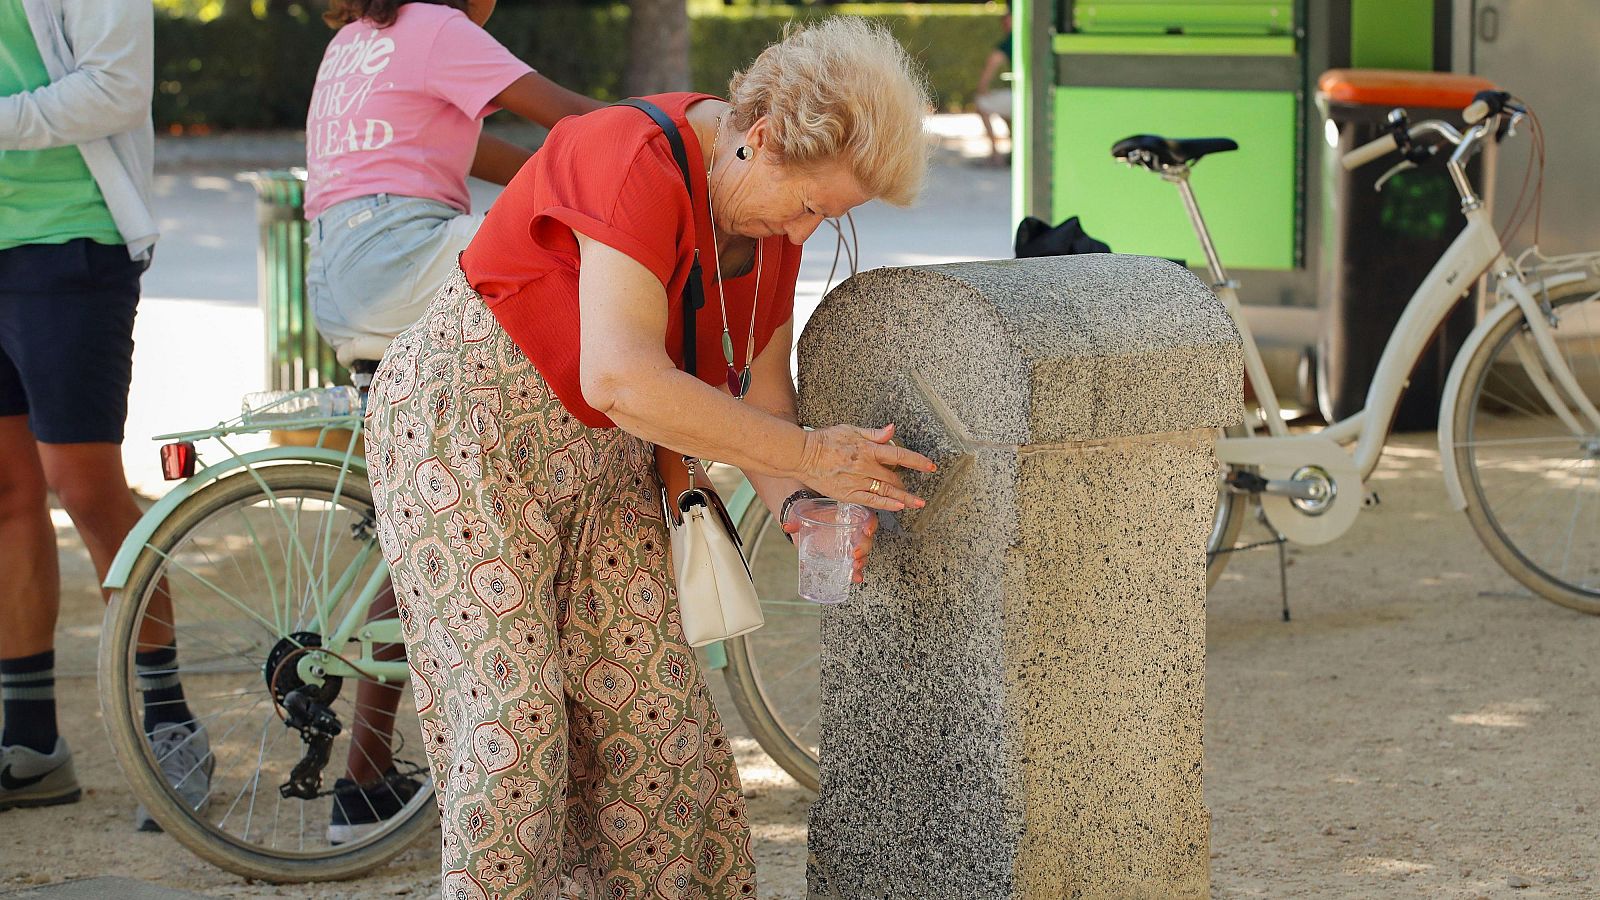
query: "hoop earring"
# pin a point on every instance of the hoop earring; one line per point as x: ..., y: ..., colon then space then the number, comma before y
x: 743, y: 153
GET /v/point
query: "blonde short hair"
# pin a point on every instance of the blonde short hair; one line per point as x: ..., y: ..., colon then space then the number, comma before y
x: 845, y: 90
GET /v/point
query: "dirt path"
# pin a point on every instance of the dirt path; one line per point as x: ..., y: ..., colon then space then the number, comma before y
x: 1421, y: 729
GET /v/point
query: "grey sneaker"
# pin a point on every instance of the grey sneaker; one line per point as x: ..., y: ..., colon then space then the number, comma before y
x: 184, y: 754
x: 31, y: 778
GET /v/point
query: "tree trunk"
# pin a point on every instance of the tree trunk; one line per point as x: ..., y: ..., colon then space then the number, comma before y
x: 658, y: 47
x: 238, y: 9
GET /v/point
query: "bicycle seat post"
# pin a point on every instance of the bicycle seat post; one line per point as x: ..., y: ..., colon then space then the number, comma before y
x: 361, y: 372
x: 1179, y: 175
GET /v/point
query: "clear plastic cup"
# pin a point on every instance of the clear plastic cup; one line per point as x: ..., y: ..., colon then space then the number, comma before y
x: 829, y: 533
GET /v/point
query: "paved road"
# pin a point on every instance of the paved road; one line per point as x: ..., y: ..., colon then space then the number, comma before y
x: 199, y: 330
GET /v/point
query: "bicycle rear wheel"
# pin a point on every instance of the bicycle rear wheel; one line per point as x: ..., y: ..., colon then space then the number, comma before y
x: 1228, y: 520
x: 249, y: 569
x: 774, y: 672
x: 1533, y: 481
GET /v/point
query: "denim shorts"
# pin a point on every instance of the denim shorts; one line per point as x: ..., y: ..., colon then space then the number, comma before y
x: 377, y: 260
x: 66, y: 338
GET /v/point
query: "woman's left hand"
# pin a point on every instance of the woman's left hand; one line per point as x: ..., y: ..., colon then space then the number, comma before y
x: 863, y: 545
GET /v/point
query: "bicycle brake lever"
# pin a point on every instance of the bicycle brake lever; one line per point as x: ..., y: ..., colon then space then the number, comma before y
x: 1395, y: 170
x: 1507, y: 127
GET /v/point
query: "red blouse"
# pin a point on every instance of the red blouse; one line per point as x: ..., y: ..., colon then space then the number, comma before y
x: 610, y: 175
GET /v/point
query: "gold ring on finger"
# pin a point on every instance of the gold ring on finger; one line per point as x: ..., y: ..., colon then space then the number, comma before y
x: 876, y: 487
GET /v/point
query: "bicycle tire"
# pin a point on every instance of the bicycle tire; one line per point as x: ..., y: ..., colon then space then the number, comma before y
x: 121, y: 708
x: 1227, y: 521
x: 793, y: 746
x: 788, y: 623
x: 1485, y: 393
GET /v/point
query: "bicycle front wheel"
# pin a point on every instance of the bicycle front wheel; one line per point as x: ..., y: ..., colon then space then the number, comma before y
x: 244, y: 577
x: 1529, y: 462
x: 1228, y: 520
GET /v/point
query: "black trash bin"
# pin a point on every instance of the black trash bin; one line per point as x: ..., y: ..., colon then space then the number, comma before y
x: 1380, y: 245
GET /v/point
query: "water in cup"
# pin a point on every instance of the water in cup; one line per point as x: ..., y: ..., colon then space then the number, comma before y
x: 829, y: 533
x: 824, y: 579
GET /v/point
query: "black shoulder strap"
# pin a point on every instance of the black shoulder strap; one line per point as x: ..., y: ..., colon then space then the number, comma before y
x: 693, y: 290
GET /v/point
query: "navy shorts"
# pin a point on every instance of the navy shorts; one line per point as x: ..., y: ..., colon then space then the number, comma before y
x: 66, y: 338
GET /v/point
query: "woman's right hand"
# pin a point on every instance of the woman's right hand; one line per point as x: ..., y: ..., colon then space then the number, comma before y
x: 846, y: 462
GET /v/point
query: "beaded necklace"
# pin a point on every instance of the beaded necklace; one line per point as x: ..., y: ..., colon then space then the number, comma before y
x: 738, y: 382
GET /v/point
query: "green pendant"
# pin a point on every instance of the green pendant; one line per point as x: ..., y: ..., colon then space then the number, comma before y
x: 727, y: 347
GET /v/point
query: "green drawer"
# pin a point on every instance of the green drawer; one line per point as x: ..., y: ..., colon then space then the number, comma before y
x: 1185, y: 16
x: 1247, y: 196
x: 1174, y: 44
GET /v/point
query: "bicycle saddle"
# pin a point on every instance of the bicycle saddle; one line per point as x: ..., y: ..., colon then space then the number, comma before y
x: 1153, y: 151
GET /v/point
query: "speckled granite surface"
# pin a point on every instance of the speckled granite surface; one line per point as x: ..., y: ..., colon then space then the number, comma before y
x: 1012, y: 703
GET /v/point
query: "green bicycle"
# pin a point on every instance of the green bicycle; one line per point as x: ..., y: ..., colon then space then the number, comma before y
x: 291, y: 656
x: 265, y: 565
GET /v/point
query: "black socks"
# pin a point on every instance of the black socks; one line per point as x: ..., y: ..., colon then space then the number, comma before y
x: 163, y: 694
x: 28, y: 690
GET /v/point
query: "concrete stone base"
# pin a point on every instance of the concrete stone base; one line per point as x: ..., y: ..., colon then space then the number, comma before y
x: 1047, y: 745
x: 1012, y: 704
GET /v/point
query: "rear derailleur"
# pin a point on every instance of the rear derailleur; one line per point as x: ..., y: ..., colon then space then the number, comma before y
x: 307, y: 709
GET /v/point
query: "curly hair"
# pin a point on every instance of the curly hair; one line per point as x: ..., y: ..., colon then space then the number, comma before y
x: 382, y: 12
x: 841, y: 89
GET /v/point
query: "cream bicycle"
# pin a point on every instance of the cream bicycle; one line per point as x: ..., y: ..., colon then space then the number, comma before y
x: 1519, y: 431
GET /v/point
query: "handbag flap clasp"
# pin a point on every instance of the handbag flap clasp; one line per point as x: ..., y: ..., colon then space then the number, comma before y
x: 708, y: 498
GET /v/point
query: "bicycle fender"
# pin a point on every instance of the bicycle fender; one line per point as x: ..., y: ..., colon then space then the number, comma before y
x: 117, y: 576
x: 1452, y: 390
x: 743, y: 496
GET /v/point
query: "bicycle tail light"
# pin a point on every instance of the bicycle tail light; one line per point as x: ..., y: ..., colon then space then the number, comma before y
x: 177, y: 460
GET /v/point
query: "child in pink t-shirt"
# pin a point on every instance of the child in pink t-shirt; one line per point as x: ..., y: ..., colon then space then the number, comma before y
x: 395, y: 127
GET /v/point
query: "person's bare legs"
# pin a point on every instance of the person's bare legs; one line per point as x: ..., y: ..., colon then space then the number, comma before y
x: 372, y: 733
x: 995, y: 159
x: 30, y: 574
x: 89, y: 482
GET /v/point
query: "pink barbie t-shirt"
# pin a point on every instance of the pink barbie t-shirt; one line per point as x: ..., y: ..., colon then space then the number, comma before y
x: 398, y: 110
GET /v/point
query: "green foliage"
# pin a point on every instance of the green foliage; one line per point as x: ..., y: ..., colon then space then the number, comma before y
x: 236, y: 72
x: 241, y: 73
x: 580, y: 47
x: 951, y: 41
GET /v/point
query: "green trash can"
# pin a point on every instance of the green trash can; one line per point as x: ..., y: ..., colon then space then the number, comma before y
x: 297, y: 356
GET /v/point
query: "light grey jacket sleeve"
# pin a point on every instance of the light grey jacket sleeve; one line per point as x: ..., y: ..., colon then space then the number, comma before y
x: 108, y: 92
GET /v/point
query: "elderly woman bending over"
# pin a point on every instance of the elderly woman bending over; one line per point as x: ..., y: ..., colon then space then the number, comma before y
x: 572, y: 740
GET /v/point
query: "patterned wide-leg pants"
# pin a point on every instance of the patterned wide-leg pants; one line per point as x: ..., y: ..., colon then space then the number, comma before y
x: 571, y: 737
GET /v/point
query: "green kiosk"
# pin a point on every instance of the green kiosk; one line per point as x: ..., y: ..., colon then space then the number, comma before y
x: 1089, y: 72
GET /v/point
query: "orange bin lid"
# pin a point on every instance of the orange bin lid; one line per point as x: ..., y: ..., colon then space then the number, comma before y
x: 1398, y: 87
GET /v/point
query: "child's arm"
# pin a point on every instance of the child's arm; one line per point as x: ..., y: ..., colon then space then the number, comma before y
x: 497, y: 160
x: 538, y: 99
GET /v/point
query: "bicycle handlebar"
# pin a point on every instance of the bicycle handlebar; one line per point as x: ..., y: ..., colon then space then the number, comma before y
x: 1497, y: 105
x: 1369, y: 151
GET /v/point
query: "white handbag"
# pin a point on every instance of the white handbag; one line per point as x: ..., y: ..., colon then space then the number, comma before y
x: 716, y: 596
